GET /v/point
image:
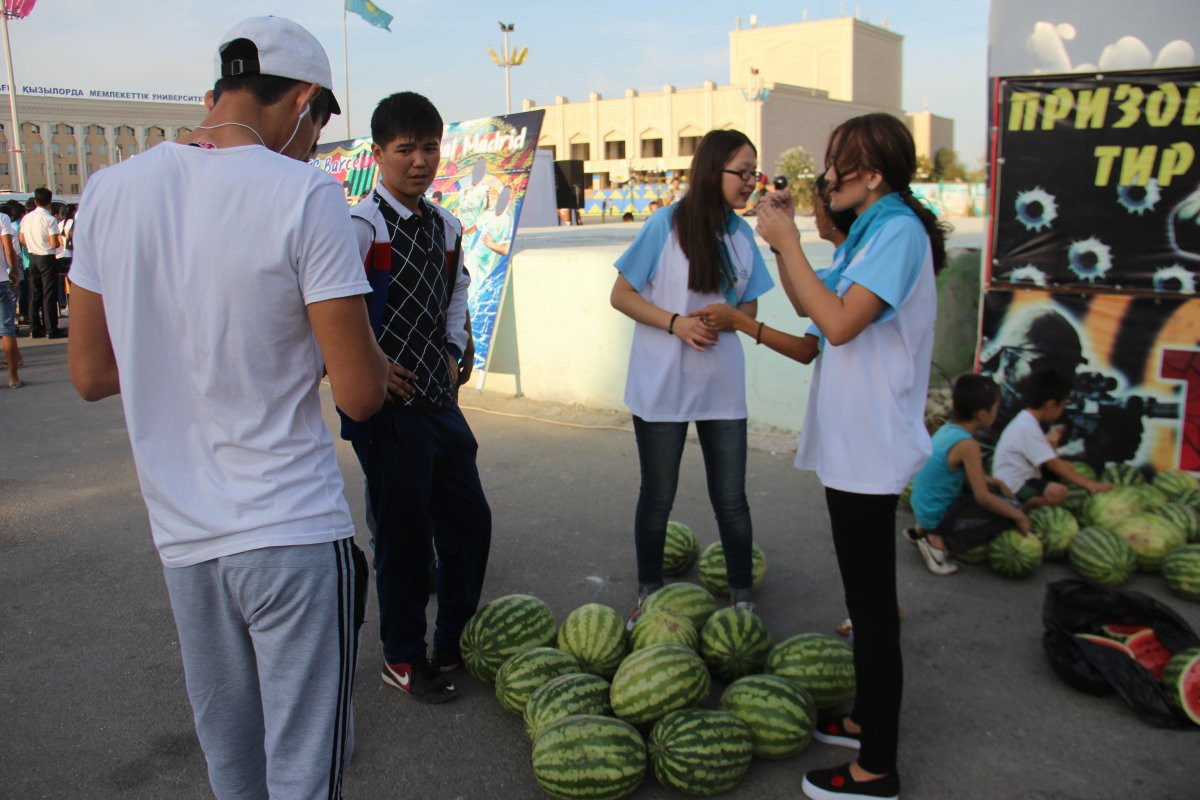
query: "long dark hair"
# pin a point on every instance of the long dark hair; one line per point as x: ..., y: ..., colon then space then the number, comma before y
x: 699, y: 220
x: 883, y: 143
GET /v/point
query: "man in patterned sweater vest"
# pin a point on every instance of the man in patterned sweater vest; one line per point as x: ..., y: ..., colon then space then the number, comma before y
x: 418, y: 453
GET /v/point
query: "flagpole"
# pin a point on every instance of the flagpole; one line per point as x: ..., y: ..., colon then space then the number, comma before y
x: 12, y: 107
x: 346, y: 56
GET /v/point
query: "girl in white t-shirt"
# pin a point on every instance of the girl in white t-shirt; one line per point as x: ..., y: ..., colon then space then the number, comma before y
x: 687, y: 256
x: 864, y: 431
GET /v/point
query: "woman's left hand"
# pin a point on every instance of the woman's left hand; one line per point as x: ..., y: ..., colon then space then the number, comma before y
x: 776, y: 219
x: 718, y: 316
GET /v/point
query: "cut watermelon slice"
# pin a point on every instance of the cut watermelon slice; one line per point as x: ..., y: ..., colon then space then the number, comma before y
x: 1182, y: 682
x: 1122, y: 632
x: 1104, y: 641
x: 1149, y: 652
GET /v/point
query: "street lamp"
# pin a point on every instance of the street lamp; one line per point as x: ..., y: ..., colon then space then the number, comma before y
x: 507, y: 59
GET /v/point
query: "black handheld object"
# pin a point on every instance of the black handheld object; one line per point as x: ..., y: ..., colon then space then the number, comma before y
x: 780, y: 182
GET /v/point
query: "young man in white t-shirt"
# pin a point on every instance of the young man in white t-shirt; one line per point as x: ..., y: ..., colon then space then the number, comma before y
x: 218, y: 359
x: 1025, y: 455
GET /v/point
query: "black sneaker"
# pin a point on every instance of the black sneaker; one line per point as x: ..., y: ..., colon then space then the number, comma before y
x: 836, y: 783
x: 420, y: 681
x: 831, y: 729
x: 446, y: 661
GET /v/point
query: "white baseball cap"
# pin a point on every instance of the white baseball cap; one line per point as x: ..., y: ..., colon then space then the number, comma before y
x: 284, y: 49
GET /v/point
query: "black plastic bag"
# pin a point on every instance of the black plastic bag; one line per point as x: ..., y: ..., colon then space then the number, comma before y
x: 1077, y: 606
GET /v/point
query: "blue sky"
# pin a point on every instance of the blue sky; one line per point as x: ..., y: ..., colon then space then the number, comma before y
x: 439, y: 48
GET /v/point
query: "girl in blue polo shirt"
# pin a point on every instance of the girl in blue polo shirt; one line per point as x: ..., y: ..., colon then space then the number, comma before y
x: 864, y: 431
x: 687, y: 256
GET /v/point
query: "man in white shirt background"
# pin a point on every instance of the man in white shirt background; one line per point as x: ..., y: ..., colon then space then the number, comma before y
x: 41, y: 237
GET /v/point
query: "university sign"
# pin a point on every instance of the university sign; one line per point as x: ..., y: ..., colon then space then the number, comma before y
x: 105, y: 94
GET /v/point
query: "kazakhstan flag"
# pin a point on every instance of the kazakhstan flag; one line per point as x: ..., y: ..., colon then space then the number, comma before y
x: 371, y: 13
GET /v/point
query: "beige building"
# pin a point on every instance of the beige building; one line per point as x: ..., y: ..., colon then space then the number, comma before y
x: 788, y: 85
x: 930, y: 132
x: 66, y: 140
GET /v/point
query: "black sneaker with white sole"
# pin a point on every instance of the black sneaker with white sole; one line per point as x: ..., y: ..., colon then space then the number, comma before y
x: 420, y: 681
x: 446, y: 661
x: 832, y: 730
x: 837, y: 783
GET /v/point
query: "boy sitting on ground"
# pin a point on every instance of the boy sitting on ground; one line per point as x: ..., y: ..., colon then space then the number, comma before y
x: 949, y: 520
x: 1025, y: 457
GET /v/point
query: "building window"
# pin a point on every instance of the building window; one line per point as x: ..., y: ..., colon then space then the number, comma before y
x: 688, y: 145
x: 652, y: 148
x: 37, y: 148
x: 581, y: 152
x: 131, y: 149
x: 103, y: 148
x: 72, y: 169
x: 74, y: 188
x: 55, y: 149
x: 34, y: 129
x: 553, y: 150
x: 87, y: 148
x: 3, y: 168
x: 98, y: 130
x: 614, y: 150
x: 71, y: 149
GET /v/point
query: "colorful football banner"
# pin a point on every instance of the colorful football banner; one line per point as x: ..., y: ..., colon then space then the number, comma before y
x: 482, y: 178
x: 1097, y: 184
x: 1136, y: 367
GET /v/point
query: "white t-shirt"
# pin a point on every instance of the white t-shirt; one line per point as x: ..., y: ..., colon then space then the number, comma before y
x: 669, y: 381
x: 207, y: 260
x: 864, y: 430
x: 38, y: 225
x: 6, y: 229
x: 1021, y: 451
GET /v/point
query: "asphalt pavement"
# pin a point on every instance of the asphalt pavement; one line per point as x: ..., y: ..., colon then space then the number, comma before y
x: 92, y: 703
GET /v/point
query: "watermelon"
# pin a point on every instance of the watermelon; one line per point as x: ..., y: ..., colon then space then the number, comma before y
x: 1102, y: 556
x: 595, y: 635
x: 1107, y: 508
x: 687, y: 599
x: 1183, y: 517
x: 1181, y: 679
x: 1175, y: 482
x: 1122, y: 475
x: 658, y: 679
x: 1149, y: 652
x: 1104, y: 641
x: 1190, y: 498
x: 524, y: 672
x: 700, y: 751
x: 680, y: 549
x: 662, y: 626
x: 1085, y: 469
x: 976, y: 555
x: 1076, y: 501
x: 822, y: 665
x: 1152, y: 497
x: 564, y: 696
x: 781, y: 715
x: 734, y: 643
x: 1122, y: 632
x: 589, y: 757
x: 1151, y: 538
x: 504, y: 627
x: 1015, y: 556
x: 1055, y: 526
x: 1181, y: 571
x: 712, y: 568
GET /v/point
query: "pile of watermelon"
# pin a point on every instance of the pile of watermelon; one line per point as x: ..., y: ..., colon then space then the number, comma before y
x: 1179, y: 672
x: 602, y: 712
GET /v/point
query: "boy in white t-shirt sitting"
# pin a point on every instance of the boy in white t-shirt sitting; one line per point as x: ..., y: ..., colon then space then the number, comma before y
x: 1025, y: 458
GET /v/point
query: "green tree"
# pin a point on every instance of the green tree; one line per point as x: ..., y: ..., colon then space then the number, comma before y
x: 924, y: 169
x: 946, y: 166
x: 796, y: 165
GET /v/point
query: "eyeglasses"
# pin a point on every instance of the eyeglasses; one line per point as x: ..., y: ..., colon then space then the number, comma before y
x: 745, y: 174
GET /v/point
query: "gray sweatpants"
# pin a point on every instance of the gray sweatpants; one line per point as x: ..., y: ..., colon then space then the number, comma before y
x: 269, y: 639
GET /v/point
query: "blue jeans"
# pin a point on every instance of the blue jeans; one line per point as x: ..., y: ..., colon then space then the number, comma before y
x: 660, y: 449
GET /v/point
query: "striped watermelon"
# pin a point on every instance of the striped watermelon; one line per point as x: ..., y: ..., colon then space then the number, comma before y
x: 595, y: 635
x: 1085, y: 469
x: 662, y: 626
x: 1015, y: 556
x: 1181, y: 679
x: 1055, y: 526
x: 822, y: 665
x: 712, y: 568
x: 1183, y: 517
x: 504, y: 627
x: 577, y: 693
x: 1152, y: 497
x: 734, y: 643
x: 523, y: 673
x: 1151, y: 538
x: 700, y: 751
x: 1174, y: 482
x: 1181, y: 571
x: 1122, y: 475
x: 780, y: 714
x: 1076, y: 501
x: 1100, y: 555
x: 658, y: 679
x: 589, y: 757
x: 1191, y: 499
x: 1108, y: 508
x: 680, y: 549
x: 687, y: 599
x: 976, y: 555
